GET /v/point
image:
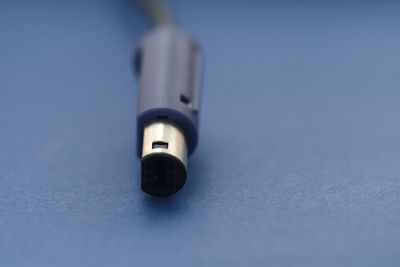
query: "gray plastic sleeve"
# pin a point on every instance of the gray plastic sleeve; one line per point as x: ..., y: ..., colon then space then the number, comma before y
x: 168, y: 66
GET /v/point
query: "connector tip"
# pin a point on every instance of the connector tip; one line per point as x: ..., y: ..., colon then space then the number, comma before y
x: 162, y: 174
x: 163, y: 159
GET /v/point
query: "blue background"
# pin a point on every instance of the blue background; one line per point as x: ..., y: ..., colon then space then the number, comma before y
x: 299, y: 156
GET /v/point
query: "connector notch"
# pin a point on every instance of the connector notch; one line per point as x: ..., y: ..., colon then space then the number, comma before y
x: 159, y: 144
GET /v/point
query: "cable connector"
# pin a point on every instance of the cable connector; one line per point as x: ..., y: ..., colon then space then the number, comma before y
x: 164, y: 159
x: 168, y: 66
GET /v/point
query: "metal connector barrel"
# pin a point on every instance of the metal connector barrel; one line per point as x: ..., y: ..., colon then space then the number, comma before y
x: 164, y: 159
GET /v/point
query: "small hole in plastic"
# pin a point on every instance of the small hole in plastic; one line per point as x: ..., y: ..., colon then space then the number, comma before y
x: 185, y: 99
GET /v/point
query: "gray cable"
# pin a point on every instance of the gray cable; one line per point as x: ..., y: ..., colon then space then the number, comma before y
x: 157, y: 11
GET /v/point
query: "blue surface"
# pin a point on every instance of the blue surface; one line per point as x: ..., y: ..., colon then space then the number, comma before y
x: 299, y: 156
